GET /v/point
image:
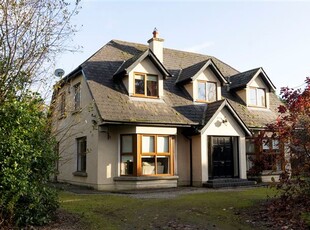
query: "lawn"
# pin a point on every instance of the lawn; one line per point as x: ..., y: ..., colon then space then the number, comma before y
x: 210, y: 210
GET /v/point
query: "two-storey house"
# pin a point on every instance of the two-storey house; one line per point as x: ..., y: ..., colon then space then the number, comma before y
x: 144, y: 116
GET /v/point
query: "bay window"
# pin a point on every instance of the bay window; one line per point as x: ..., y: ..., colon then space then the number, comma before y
x: 147, y: 155
x: 127, y: 154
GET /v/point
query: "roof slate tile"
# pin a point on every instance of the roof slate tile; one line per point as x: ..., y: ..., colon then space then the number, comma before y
x: 177, y: 106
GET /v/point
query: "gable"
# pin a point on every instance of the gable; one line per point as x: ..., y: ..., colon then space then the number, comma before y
x: 245, y: 79
x: 192, y: 72
x: 258, y: 82
x: 146, y: 66
x: 222, y: 119
x: 224, y: 124
x: 129, y: 64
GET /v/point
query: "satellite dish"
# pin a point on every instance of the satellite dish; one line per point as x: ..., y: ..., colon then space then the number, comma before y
x: 59, y: 72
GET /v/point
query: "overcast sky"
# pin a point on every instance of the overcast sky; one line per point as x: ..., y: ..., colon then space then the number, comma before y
x: 274, y: 35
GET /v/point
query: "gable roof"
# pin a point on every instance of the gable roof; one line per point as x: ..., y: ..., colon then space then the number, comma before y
x: 131, y: 63
x: 193, y: 71
x: 242, y: 80
x: 176, y: 107
x: 215, y: 108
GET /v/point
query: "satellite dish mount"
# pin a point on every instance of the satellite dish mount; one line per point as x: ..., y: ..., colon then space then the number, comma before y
x: 59, y: 73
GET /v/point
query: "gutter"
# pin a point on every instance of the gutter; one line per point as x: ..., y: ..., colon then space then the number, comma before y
x: 143, y: 123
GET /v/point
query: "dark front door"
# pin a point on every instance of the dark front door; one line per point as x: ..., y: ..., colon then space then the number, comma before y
x: 222, y: 157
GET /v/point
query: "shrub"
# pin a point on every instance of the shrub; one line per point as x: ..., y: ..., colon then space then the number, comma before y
x: 26, y: 163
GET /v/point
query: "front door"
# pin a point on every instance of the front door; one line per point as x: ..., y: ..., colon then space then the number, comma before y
x: 222, y: 157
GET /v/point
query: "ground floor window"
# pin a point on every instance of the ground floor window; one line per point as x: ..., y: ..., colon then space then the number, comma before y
x: 264, y: 154
x: 81, y: 154
x: 147, y: 154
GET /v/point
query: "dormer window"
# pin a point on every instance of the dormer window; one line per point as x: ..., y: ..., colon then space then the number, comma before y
x: 146, y: 85
x: 257, y: 97
x: 206, y: 91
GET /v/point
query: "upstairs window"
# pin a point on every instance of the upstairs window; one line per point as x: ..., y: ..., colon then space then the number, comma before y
x: 206, y: 91
x: 62, y: 106
x: 146, y: 85
x: 257, y: 97
x: 77, y: 97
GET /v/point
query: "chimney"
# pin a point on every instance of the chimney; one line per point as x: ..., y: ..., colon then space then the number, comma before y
x: 156, y: 45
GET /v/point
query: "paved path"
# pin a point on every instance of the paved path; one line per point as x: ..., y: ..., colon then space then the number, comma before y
x: 147, y: 193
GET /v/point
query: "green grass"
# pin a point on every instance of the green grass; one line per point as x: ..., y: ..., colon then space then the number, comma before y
x: 214, y: 209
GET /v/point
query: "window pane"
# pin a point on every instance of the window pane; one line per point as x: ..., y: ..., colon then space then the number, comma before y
x: 62, y: 106
x: 275, y: 144
x: 249, y: 161
x: 163, y: 144
x: 211, y: 91
x: 152, y: 86
x: 201, y: 91
x: 163, y: 165
x: 77, y: 97
x: 127, y: 165
x: 148, y: 165
x: 139, y: 84
x: 148, y: 144
x: 265, y: 144
x: 81, y: 154
x: 260, y: 97
x: 250, y: 147
x: 127, y: 144
x: 253, y: 100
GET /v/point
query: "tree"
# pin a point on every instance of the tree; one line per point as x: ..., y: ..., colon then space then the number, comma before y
x: 32, y: 33
x: 293, y: 128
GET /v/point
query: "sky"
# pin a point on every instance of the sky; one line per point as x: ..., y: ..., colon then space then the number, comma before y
x: 274, y: 35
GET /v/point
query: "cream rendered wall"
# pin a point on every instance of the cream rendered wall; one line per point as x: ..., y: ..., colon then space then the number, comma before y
x: 218, y: 128
x: 109, y: 151
x: 206, y: 75
x: 182, y: 168
x: 189, y: 88
x: 197, y: 160
x: 258, y: 83
x: 76, y: 125
x: 146, y: 66
x: 242, y: 94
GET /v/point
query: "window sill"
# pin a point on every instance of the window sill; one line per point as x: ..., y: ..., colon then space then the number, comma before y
x: 76, y: 111
x: 62, y: 117
x: 144, y: 178
x: 203, y: 101
x: 80, y: 174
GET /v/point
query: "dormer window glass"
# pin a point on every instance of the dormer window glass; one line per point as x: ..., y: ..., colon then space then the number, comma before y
x: 146, y: 85
x: 206, y: 91
x: 257, y: 97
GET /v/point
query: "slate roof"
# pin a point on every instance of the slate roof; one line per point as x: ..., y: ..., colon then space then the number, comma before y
x: 129, y: 64
x: 190, y: 71
x: 240, y: 80
x: 176, y: 107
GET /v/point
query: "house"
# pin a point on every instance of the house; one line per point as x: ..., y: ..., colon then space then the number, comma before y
x: 143, y: 116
